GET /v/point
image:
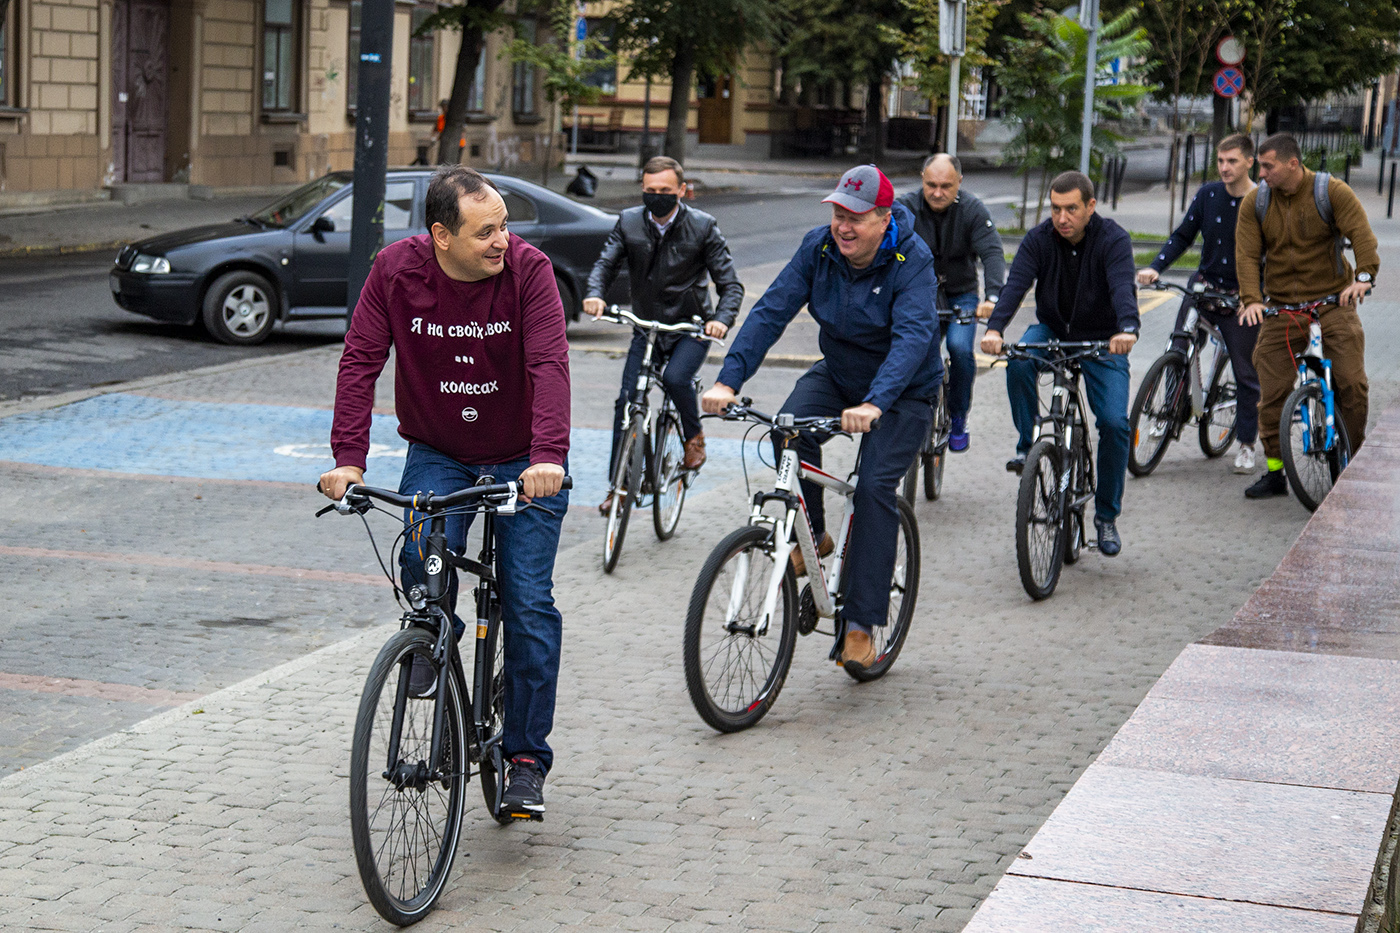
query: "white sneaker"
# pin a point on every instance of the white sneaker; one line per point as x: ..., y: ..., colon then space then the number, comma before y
x: 1244, y: 460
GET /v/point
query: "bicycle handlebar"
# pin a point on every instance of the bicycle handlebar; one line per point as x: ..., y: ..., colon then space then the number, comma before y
x: 1309, y: 307
x: 357, y: 496
x: 956, y: 315
x: 743, y: 411
x: 1197, y: 291
x: 1067, y: 349
x: 620, y: 315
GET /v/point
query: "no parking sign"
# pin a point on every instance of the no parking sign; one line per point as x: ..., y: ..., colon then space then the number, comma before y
x: 1229, y: 81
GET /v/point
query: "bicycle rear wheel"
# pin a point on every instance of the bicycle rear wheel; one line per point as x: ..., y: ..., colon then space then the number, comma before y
x: 1040, y: 521
x: 627, y: 477
x: 734, y: 668
x: 888, y: 639
x: 405, y: 817
x: 1310, y: 465
x: 668, y: 481
x: 1156, y: 413
x: 1217, y: 427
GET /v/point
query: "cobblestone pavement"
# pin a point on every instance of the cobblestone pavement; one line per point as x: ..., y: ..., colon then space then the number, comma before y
x: 893, y: 805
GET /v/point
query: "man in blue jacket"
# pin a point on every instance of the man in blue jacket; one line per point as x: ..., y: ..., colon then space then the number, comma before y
x: 1082, y: 267
x: 869, y: 282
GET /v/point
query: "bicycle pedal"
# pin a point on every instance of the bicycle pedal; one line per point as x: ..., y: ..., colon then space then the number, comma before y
x: 522, y: 816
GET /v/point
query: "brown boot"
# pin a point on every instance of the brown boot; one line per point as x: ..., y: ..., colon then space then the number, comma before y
x: 694, y: 453
x: 857, y: 652
x: 824, y: 547
x: 605, y: 506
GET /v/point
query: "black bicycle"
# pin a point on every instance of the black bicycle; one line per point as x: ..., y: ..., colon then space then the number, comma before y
x: 1173, y: 392
x: 1057, y: 481
x: 651, y: 458
x: 420, y: 729
x: 933, y: 456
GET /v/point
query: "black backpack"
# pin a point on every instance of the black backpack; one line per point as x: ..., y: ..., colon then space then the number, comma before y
x: 1323, y: 199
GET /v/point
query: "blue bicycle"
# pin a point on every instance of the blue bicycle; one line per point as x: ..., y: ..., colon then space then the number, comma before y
x: 1313, y: 441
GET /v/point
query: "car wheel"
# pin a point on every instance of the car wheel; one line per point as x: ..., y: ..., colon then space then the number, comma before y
x: 566, y: 295
x: 240, y: 308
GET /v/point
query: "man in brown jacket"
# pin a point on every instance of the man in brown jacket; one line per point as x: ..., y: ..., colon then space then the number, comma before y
x: 1303, y: 263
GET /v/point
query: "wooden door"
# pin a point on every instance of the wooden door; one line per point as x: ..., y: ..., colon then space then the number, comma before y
x: 716, y: 110
x: 140, y: 32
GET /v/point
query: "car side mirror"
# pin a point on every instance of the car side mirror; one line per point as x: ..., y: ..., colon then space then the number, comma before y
x: 323, y: 224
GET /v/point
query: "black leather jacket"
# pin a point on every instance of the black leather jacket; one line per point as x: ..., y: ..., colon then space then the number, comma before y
x: 668, y: 274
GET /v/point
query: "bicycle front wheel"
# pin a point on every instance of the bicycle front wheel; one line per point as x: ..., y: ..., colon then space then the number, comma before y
x: 1040, y: 521
x: 405, y: 814
x: 1217, y: 427
x: 735, y: 662
x: 935, y: 455
x: 1310, y: 464
x: 668, y: 479
x: 627, y: 477
x: 1156, y: 413
x: 491, y: 767
x: 888, y: 639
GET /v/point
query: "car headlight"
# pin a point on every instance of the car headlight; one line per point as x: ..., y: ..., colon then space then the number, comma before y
x: 153, y: 265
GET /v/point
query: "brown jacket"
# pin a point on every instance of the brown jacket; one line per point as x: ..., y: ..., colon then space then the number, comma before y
x: 1301, y: 257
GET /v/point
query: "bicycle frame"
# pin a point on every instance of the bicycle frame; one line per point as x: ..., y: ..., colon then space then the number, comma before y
x: 1311, y: 359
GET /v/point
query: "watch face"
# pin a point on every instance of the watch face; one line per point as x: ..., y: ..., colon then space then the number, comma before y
x: 1364, y: 277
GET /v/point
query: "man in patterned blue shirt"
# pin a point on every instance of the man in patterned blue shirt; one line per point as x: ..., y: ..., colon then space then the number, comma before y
x: 1213, y: 214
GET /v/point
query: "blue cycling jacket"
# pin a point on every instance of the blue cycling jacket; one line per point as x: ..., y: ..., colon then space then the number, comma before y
x: 879, y: 328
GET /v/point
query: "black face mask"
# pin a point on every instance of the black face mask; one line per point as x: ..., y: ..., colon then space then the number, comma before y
x: 659, y: 204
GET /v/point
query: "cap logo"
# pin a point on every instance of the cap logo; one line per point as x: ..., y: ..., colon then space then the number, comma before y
x: 854, y: 183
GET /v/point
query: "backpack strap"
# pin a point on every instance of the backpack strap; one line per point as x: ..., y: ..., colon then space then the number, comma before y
x: 1323, y: 198
x: 1262, y: 195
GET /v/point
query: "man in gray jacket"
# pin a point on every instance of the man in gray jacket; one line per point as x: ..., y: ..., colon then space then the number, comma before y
x: 958, y: 230
x: 670, y: 249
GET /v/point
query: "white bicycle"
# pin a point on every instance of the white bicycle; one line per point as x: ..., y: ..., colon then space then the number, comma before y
x: 745, y: 611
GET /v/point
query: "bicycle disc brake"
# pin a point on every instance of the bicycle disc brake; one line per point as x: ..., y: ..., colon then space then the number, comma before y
x: 807, y: 612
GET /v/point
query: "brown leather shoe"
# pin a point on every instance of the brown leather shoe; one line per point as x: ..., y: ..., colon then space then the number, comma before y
x: 605, y: 506
x: 824, y: 547
x: 857, y: 651
x: 694, y: 453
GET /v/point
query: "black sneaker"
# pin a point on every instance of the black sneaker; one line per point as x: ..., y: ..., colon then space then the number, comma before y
x: 1109, y: 542
x: 1272, y: 483
x: 524, y: 794
x: 422, y: 678
x: 1016, y: 464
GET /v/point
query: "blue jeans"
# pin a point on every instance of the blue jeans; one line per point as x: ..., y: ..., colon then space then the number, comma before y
x: 1106, y: 386
x: 885, y: 455
x: 683, y: 358
x: 531, y: 626
x: 962, y: 364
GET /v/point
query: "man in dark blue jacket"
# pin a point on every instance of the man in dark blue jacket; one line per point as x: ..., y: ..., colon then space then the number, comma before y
x: 868, y: 280
x: 1082, y: 267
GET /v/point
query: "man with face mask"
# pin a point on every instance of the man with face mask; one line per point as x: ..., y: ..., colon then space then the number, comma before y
x: 670, y: 249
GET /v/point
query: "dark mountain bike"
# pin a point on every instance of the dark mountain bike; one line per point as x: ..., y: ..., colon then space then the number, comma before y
x: 933, y: 456
x: 1191, y: 381
x: 421, y: 729
x: 1057, y: 481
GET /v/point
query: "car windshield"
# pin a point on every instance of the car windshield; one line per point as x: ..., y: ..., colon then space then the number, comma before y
x: 296, y: 205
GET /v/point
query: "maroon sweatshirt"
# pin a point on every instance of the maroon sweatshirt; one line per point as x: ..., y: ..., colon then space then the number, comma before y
x: 481, y: 368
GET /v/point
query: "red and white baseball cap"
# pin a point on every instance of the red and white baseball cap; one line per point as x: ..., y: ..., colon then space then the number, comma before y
x: 861, y: 190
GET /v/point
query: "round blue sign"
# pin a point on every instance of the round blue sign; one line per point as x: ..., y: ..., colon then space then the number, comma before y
x: 1229, y: 81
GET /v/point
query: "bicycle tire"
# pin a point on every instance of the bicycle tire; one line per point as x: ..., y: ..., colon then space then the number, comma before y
x: 626, y: 476
x: 1158, y: 397
x: 936, y: 453
x: 668, y: 481
x: 1040, y: 556
x: 1311, y: 473
x: 911, y: 479
x: 728, y: 691
x: 1074, y: 518
x: 490, y: 769
x: 1218, y: 419
x: 403, y: 863
x: 888, y: 639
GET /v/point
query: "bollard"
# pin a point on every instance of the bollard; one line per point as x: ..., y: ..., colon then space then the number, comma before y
x: 1390, y: 204
x: 1322, y: 164
x: 1380, y: 175
x: 1346, y: 169
x: 1118, y: 182
x: 1186, y: 175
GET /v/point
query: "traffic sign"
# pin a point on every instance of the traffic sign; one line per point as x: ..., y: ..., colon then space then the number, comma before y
x: 1229, y: 51
x: 581, y: 29
x: 1229, y: 81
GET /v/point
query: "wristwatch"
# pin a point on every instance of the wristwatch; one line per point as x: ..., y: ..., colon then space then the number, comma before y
x: 1364, y: 278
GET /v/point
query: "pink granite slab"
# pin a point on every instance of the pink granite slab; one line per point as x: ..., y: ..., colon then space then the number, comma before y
x: 1302, y: 847
x: 1272, y: 716
x: 1037, y: 905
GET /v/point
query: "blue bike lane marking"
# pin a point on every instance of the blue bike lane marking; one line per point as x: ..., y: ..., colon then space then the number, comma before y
x: 126, y: 433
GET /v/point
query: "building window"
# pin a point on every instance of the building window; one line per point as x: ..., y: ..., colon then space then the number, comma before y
x: 421, y: 52
x: 523, y: 80
x: 477, y: 103
x: 604, y: 78
x: 352, y: 56
x: 279, y: 54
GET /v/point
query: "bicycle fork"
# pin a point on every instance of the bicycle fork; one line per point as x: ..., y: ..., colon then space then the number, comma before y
x: 1313, y: 359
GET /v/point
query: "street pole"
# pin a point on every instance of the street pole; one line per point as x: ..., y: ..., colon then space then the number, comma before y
x: 1089, y: 19
x: 954, y: 93
x: 371, y: 144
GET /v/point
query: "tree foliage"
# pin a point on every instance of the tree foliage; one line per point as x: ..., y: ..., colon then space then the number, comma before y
x: 920, y: 46
x: 475, y: 19
x: 1323, y: 47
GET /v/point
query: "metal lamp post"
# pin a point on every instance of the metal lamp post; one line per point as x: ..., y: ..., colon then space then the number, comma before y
x: 371, y: 144
x: 952, y: 40
x: 1089, y: 19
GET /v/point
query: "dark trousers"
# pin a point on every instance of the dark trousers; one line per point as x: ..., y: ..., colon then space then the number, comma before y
x: 885, y: 455
x: 530, y: 624
x: 1239, y: 343
x: 683, y: 358
x: 1344, y: 344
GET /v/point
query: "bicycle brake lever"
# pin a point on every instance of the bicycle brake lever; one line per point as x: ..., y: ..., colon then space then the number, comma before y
x: 535, y: 505
x: 329, y: 508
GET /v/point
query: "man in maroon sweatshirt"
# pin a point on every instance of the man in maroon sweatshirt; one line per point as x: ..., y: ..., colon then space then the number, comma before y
x: 481, y: 386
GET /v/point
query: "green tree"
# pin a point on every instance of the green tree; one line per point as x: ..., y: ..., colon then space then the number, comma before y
x: 673, y: 41
x: 1044, y: 82
x: 920, y: 47
x: 475, y: 19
